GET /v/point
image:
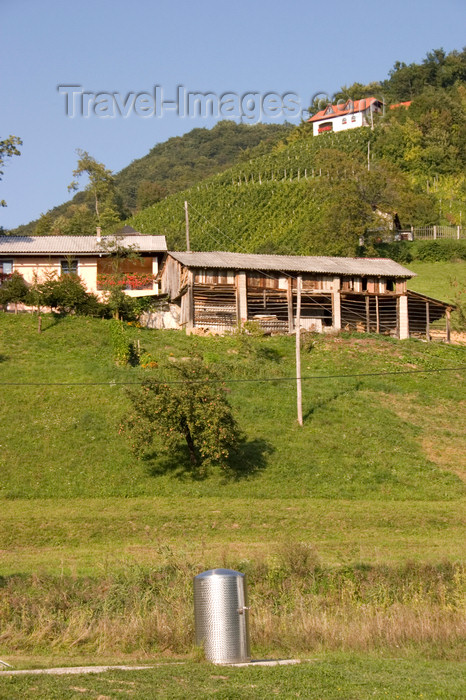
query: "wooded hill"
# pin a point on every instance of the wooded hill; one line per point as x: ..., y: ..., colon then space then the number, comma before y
x: 169, y: 167
x: 278, y: 189
x: 318, y: 195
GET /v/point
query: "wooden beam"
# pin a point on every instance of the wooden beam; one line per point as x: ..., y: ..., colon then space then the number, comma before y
x: 289, y: 299
x: 448, y: 324
x: 368, y: 316
x: 241, y: 297
x: 403, y: 320
x: 336, y: 304
x: 190, y: 301
x: 377, y: 315
x: 299, y: 396
x: 427, y: 321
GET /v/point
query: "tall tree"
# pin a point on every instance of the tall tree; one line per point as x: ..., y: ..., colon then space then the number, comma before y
x: 8, y: 148
x: 100, y: 188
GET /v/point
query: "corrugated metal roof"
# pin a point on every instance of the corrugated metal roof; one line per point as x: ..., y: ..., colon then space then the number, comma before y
x: 83, y: 245
x: 294, y: 263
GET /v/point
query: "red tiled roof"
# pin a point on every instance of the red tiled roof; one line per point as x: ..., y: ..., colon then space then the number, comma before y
x: 341, y: 110
x: 400, y: 104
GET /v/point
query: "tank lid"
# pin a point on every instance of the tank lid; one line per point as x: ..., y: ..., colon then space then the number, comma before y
x: 219, y: 572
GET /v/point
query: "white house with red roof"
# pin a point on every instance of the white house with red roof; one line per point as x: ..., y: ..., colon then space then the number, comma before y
x: 347, y: 115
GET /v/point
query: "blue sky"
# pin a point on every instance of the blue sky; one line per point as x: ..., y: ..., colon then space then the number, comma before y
x: 117, y: 46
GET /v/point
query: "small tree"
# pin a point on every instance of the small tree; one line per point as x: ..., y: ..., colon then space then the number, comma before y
x: 193, y: 407
x: 14, y: 290
x: 117, y: 301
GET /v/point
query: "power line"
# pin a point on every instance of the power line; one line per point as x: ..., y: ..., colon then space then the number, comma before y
x: 242, y: 381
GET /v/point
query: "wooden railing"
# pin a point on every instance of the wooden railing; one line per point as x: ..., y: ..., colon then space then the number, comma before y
x: 431, y: 232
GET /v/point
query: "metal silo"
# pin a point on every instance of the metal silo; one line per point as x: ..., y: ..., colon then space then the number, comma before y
x: 221, y: 615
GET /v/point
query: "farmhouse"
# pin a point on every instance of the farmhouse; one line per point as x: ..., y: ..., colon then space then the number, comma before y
x: 219, y: 290
x: 351, y: 114
x: 88, y: 256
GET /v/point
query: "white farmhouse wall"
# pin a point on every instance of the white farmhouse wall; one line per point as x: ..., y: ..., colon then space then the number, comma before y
x: 347, y: 121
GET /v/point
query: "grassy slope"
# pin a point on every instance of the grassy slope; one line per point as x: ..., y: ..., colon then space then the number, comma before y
x: 436, y: 279
x: 363, y: 437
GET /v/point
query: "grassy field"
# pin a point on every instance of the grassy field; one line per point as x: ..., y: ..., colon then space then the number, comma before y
x: 331, y: 676
x: 351, y: 529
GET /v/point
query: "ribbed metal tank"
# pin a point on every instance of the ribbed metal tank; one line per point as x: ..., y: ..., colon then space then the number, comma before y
x: 221, y: 615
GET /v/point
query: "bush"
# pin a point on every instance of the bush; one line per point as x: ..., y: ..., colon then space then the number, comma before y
x: 13, y: 290
x: 121, y: 306
x: 427, y: 251
x: 440, y: 251
x: 67, y: 294
x: 123, y: 348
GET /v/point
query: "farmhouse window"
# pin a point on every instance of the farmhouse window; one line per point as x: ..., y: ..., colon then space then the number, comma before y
x: 326, y: 126
x: 343, y: 121
x: 69, y: 267
x: 353, y: 118
x: 390, y: 286
x: 6, y: 267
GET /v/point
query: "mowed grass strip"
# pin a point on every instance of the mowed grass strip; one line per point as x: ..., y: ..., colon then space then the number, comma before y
x: 84, y: 536
x: 326, y: 676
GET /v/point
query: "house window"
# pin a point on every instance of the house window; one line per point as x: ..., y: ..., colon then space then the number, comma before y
x: 326, y: 126
x: 353, y: 118
x: 390, y: 285
x: 69, y: 267
x: 343, y: 121
x: 6, y: 267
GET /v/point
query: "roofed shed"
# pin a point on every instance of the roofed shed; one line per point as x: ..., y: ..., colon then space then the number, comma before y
x: 219, y: 290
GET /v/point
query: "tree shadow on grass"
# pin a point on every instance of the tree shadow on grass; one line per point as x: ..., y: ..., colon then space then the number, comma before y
x: 55, y: 319
x: 249, y: 459
x: 4, y: 358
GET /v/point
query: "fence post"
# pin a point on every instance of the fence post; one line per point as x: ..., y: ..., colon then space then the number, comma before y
x: 458, y: 232
x: 435, y: 232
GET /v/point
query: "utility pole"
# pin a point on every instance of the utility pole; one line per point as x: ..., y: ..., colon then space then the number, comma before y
x: 299, y: 396
x: 186, y: 214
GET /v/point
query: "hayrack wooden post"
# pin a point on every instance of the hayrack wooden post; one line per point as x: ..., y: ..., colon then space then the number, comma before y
x: 427, y: 321
x: 289, y: 299
x: 190, y: 301
x: 299, y: 396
